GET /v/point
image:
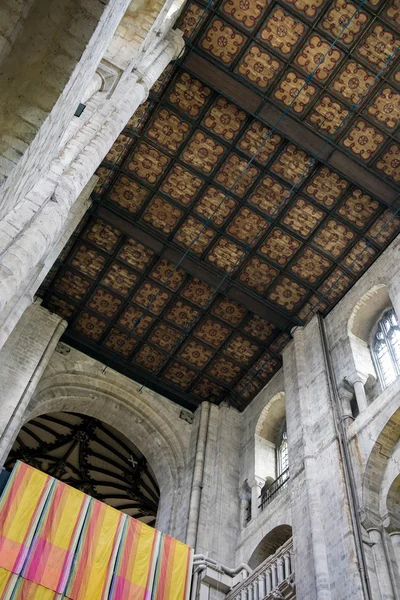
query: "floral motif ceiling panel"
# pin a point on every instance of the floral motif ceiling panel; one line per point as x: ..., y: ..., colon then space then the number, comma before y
x: 250, y: 191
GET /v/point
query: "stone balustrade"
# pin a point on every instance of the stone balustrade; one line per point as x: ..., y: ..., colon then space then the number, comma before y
x: 273, y: 578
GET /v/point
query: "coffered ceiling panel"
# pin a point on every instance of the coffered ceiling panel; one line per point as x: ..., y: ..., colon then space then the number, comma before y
x: 250, y: 191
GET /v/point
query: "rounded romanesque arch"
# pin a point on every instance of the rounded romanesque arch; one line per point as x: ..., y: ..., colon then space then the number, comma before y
x: 381, y: 472
x: 139, y: 417
x: 268, y: 428
x: 269, y: 544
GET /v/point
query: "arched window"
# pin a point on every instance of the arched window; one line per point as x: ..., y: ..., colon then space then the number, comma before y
x: 282, y: 461
x: 386, y: 348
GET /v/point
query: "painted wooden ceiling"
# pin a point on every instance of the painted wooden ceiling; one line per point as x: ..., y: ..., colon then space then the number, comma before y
x: 250, y: 191
x: 92, y: 457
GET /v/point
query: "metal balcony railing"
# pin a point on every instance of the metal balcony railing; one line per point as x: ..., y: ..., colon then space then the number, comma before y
x: 269, y: 494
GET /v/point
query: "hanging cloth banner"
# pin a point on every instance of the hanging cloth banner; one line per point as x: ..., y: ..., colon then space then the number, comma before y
x: 21, y: 505
x: 57, y: 543
x: 136, y: 562
x: 173, y: 573
x: 54, y: 543
x: 95, y: 556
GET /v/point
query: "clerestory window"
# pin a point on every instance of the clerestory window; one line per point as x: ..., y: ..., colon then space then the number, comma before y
x: 386, y: 348
x: 282, y: 453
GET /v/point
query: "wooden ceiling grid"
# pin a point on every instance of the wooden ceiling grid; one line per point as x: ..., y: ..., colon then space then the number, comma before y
x: 261, y: 246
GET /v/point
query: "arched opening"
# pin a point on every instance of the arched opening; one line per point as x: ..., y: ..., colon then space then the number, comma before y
x: 91, y: 456
x: 271, y: 448
x: 382, y: 506
x: 276, y: 538
x: 361, y: 329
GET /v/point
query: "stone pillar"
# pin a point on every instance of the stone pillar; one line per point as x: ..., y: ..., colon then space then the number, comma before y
x: 20, y: 254
x: 321, y: 518
x: 23, y: 359
x: 256, y: 485
x: 394, y: 293
x: 381, y: 565
x: 268, y: 580
x: 395, y: 539
x: 358, y: 380
x: 261, y: 586
x: 346, y: 397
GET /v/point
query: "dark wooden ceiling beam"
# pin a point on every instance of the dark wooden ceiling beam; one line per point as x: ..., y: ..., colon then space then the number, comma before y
x: 286, y: 125
x: 197, y: 268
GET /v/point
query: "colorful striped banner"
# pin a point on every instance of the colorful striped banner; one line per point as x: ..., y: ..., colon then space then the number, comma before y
x: 174, y: 566
x: 93, y: 565
x: 136, y: 562
x: 28, y: 590
x: 50, y: 557
x: 57, y: 543
x: 21, y: 505
x: 7, y: 583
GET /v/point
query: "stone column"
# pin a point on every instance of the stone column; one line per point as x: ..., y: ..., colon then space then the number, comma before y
x: 394, y: 293
x: 346, y: 397
x: 26, y: 250
x: 395, y: 539
x: 256, y: 485
x: 381, y: 565
x: 358, y: 380
x: 319, y: 499
x: 23, y: 359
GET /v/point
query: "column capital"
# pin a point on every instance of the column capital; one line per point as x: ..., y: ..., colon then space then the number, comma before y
x: 356, y: 377
x: 256, y: 481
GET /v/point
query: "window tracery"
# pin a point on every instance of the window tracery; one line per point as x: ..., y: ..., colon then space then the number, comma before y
x: 386, y: 348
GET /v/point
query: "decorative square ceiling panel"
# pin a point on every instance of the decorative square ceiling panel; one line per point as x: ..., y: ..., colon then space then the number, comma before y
x: 306, y: 9
x: 287, y: 293
x: 294, y: 92
x: 237, y: 175
x: 259, y: 142
x: 257, y: 274
x: 189, y: 95
x: 318, y: 58
x: 147, y: 163
x: 258, y: 67
x: 270, y: 196
x: 303, y: 217
x: 247, y: 227
x: 310, y: 266
x: 250, y: 191
x: 326, y: 187
x: 389, y: 162
x: 293, y: 164
x: 245, y: 14
x: 229, y: 311
x: 212, y: 332
x: 385, y: 108
x: 167, y: 130
x: 363, y: 140
x: 282, y: 32
x: 226, y: 255
x: 120, y: 279
x: 224, y: 119
x: 128, y: 194
x: 338, y: 15
x: 280, y: 247
x: 161, y: 215
x: 202, y: 152
x: 194, y: 236
x: 333, y: 238
x: 181, y: 185
x: 88, y: 261
x: 222, y: 41
x: 215, y: 205
x: 328, y: 115
x: 353, y: 82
